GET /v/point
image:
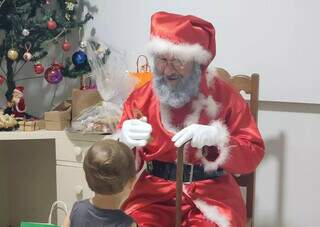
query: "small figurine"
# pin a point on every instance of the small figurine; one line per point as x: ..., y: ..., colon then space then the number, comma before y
x: 17, y: 105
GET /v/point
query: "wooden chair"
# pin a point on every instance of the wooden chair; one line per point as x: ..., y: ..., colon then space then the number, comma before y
x: 250, y: 85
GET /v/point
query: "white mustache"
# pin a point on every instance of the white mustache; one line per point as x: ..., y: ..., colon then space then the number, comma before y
x: 180, y: 94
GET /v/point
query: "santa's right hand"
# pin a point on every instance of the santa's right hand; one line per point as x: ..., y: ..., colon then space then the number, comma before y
x: 135, y: 132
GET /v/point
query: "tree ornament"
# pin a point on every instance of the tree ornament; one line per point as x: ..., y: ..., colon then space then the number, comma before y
x: 2, y: 79
x: 13, y: 54
x: 52, y: 25
x: 79, y: 58
x: 25, y: 32
x: 70, y: 5
x: 83, y: 44
x: 27, y: 55
x: 38, y: 68
x: 54, y: 74
x: 66, y: 46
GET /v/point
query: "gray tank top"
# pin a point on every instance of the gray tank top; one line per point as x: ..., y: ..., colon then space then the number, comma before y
x: 84, y: 214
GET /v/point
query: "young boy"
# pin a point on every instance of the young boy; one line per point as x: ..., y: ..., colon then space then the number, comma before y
x: 110, y: 172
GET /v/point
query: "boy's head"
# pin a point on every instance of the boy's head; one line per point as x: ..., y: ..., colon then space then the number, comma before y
x: 109, y: 167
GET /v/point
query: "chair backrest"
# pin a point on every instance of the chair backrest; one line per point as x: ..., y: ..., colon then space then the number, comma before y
x: 250, y: 85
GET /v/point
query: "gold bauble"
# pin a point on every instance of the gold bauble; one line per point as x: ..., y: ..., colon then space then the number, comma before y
x: 13, y: 54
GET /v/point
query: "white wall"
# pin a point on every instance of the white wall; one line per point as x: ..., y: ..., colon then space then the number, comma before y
x: 287, y: 183
x: 278, y: 39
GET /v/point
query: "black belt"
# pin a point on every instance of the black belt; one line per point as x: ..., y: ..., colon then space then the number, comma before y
x: 167, y: 170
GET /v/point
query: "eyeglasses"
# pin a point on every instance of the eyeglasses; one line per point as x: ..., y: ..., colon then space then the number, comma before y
x: 161, y: 63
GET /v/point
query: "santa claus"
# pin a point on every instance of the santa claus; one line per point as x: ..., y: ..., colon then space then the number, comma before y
x: 184, y: 103
x: 18, y: 104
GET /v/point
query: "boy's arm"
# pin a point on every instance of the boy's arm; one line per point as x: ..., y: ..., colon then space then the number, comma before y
x: 66, y: 222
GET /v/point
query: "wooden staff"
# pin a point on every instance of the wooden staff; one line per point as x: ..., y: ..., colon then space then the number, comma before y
x: 179, y: 183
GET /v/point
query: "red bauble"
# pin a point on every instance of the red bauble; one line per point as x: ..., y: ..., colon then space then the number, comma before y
x: 66, y: 46
x: 52, y: 24
x: 38, y: 68
x: 2, y: 79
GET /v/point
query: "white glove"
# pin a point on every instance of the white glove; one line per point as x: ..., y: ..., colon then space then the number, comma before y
x: 200, y: 135
x: 135, y: 132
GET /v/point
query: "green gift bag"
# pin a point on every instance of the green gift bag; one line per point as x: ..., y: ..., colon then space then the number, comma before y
x: 49, y: 224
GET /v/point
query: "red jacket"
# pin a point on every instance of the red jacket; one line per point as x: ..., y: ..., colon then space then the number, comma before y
x: 240, y: 150
x: 19, y: 109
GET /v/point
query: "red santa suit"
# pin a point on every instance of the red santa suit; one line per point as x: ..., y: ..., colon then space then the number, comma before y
x: 239, y: 148
x: 19, y: 108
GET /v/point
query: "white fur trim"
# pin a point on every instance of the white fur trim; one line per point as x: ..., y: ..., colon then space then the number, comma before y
x: 208, y: 104
x: 222, y: 142
x: 211, y: 106
x: 210, y: 75
x: 17, y: 91
x: 20, y: 111
x: 184, y: 51
x: 194, y: 116
x: 212, y: 213
x: 165, y: 119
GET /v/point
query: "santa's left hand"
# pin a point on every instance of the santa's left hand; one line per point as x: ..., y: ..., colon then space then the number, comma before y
x: 200, y: 135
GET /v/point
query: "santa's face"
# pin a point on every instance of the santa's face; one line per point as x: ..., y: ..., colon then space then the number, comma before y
x: 172, y: 69
x: 176, y: 87
x: 16, y: 97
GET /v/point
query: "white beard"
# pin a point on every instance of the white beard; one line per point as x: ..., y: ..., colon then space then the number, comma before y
x: 177, y: 96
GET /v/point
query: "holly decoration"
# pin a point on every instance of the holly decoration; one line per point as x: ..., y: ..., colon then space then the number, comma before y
x: 38, y: 68
x: 54, y: 74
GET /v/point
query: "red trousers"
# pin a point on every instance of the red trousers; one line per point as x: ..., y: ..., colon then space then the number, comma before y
x: 163, y: 215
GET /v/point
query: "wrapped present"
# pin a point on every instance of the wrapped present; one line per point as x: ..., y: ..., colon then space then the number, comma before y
x: 82, y: 99
x: 57, y: 125
x: 58, y: 115
x: 61, y: 112
x: 59, y: 118
x: 31, y: 125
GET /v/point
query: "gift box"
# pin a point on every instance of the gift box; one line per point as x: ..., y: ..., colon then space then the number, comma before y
x: 59, y: 118
x: 31, y: 125
x: 82, y: 99
x: 58, y: 115
x: 61, y: 112
x: 57, y: 125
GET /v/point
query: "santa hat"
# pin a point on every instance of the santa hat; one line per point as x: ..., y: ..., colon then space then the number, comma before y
x: 19, y: 90
x: 185, y: 37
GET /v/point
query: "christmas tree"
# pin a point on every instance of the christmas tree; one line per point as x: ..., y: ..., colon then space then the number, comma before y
x: 30, y: 27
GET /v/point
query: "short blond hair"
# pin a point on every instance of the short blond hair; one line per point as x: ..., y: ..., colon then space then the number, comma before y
x: 108, y: 166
